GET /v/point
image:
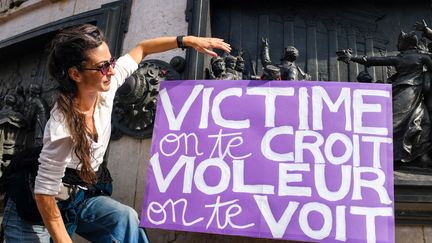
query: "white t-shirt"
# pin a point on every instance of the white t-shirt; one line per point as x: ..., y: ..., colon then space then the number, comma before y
x: 57, y: 152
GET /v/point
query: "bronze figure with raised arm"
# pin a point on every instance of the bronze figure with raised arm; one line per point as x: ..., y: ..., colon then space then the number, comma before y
x: 289, y: 70
x: 411, y: 122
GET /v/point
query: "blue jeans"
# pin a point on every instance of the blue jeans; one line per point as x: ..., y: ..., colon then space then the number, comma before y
x: 17, y: 230
x: 101, y: 219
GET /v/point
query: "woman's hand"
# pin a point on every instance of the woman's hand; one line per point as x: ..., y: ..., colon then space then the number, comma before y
x: 161, y: 44
x: 205, y: 44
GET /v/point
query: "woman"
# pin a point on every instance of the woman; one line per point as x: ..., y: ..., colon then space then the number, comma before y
x: 411, y: 122
x: 78, y: 131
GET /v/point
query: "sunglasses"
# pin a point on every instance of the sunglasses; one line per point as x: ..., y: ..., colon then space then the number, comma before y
x: 104, y: 67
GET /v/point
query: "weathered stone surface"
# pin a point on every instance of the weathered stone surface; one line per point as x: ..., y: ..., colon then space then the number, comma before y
x: 407, y: 179
x: 4, y: 5
x: 409, y: 234
x: 163, y: 236
x: 79, y: 239
x: 427, y: 230
x: 154, y: 18
x: 142, y: 174
x: 42, y: 12
x: 125, y: 156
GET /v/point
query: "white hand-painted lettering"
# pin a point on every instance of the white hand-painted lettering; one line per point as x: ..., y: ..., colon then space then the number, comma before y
x: 234, y: 140
x: 154, y: 209
x: 301, y: 155
x: 229, y: 213
x: 172, y: 139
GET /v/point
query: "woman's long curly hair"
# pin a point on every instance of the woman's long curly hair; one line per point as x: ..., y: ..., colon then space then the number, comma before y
x: 69, y: 49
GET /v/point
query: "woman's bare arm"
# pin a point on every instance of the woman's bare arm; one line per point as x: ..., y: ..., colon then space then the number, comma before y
x: 52, y: 218
x: 161, y: 44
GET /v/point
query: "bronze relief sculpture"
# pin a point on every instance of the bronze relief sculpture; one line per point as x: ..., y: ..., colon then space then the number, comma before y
x: 288, y: 68
x: 411, y: 121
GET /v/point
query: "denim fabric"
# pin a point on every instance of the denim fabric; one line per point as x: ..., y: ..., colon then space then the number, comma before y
x: 17, y: 230
x: 102, y: 219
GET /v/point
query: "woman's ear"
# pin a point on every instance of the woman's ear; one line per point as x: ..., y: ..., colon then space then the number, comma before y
x: 74, y: 74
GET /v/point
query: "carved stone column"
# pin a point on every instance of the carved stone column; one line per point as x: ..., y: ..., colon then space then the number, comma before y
x: 198, y: 16
x: 312, y: 53
x: 235, y: 37
x: 352, y: 43
x: 334, y: 72
x: 370, y: 52
x: 263, y: 32
x: 289, y: 32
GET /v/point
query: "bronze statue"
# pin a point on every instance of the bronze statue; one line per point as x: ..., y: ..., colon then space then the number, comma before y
x: 12, y: 131
x: 427, y: 34
x: 288, y: 69
x: 218, y: 70
x: 422, y: 26
x: 411, y: 121
x: 135, y: 103
x: 19, y: 94
x: 230, y: 66
x: 37, y: 113
x: 240, y: 66
x: 271, y: 72
x: 364, y: 77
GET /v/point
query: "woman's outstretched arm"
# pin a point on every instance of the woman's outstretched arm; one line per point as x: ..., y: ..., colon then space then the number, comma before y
x: 161, y: 44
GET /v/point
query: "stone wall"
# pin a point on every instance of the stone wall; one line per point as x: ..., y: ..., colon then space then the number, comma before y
x: 35, y: 13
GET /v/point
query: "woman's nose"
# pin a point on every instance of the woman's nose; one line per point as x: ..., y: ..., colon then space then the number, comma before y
x: 111, y: 70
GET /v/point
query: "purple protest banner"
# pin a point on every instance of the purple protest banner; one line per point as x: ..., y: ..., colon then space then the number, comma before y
x: 307, y: 161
